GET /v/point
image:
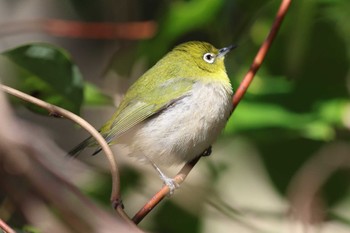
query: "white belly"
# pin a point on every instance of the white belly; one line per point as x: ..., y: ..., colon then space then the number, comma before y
x: 183, y: 130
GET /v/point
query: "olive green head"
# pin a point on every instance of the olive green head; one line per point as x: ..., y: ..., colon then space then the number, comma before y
x: 186, y: 64
x: 200, y: 57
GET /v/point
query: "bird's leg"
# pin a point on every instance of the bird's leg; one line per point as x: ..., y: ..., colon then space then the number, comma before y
x: 171, y: 183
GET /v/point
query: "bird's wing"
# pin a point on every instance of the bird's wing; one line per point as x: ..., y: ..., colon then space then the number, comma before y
x: 141, y: 107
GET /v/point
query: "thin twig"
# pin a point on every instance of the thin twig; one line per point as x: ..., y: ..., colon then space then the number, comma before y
x: 57, y: 111
x: 79, y: 29
x: 6, y: 228
x: 260, y: 56
x: 180, y: 177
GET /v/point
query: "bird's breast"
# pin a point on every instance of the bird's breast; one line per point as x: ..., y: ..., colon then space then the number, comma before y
x: 186, y: 128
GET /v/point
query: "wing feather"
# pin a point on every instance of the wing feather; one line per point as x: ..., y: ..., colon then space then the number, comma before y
x: 139, y: 109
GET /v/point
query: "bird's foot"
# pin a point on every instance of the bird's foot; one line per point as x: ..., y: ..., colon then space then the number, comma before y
x: 171, y: 183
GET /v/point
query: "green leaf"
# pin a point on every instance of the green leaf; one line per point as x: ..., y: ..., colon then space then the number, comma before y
x: 333, y: 111
x: 187, y: 15
x: 255, y: 116
x: 266, y: 84
x: 48, y: 73
x: 252, y: 115
x: 93, y: 96
x: 30, y: 229
x: 181, y: 17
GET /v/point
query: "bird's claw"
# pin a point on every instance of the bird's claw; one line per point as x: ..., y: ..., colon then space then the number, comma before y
x: 172, y: 185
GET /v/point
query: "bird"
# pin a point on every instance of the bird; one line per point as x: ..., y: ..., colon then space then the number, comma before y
x: 175, y: 111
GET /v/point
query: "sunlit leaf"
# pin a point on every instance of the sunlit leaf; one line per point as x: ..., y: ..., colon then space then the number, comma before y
x: 48, y: 73
x: 94, y: 96
x: 181, y: 17
x: 318, y: 125
x: 333, y: 111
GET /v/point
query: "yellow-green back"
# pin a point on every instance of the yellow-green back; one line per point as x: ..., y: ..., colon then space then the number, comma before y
x: 168, y: 80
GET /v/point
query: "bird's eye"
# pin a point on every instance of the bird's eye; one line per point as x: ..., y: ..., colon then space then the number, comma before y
x: 209, y: 57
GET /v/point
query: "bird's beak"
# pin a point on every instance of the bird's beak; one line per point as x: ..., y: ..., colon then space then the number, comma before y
x: 225, y: 50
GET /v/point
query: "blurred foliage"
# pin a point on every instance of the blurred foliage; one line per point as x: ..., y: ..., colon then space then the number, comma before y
x: 181, y: 17
x: 298, y: 103
x: 183, y: 218
x: 29, y: 229
x: 48, y: 73
x: 94, y: 97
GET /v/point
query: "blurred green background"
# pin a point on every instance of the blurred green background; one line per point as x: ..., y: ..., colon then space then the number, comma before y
x: 288, y: 139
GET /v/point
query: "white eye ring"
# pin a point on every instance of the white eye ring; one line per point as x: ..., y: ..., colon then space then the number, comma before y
x: 209, y: 57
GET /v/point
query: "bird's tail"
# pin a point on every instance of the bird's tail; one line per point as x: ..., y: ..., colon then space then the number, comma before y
x: 80, y: 147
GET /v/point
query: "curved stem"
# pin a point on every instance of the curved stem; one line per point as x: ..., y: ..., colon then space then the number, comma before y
x: 60, y: 112
x: 6, y: 228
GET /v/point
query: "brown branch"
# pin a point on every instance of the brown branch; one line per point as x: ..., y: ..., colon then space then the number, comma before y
x: 85, y: 30
x: 260, y: 56
x: 6, y: 228
x: 180, y: 177
x: 57, y: 111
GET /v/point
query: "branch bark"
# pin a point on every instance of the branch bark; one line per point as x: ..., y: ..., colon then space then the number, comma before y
x: 6, y: 228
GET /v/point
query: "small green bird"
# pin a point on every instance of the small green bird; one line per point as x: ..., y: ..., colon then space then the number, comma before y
x: 175, y: 111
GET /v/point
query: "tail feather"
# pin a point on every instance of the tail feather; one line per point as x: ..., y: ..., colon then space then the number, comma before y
x: 90, y: 141
x: 80, y: 147
x: 98, y: 150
